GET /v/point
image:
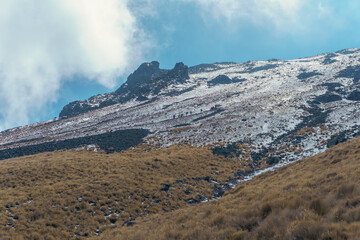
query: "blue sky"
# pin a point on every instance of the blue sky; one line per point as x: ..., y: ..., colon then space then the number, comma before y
x: 64, y: 50
x: 195, y: 38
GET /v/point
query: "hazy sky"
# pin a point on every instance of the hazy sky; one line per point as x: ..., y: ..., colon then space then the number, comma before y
x: 56, y: 51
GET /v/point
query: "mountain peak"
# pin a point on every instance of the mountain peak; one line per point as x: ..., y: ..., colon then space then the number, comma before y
x: 147, y: 79
x: 144, y: 73
x: 180, y: 65
x: 179, y: 74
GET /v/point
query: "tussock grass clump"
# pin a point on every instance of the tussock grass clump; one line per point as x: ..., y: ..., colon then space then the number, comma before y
x: 315, y: 198
x: 78, y: 194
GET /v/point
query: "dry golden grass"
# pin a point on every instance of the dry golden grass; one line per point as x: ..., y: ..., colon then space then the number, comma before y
x: 181, y: 129
x: 315, y: 198
x: 71, y: 194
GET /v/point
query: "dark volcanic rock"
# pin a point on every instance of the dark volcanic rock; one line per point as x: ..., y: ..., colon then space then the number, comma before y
x: 328, y: 97
x: 128, y: 223
x: 306, y: 75
x: 272, y: 160
x: 147, y: 79
x: 329, y: 59
x: 222, y: 79
x: 166, y: 187
x: 257, y: 156
x: 135, y: 86
x: 74, y: 108
x: 354, y: 96
x: 336, y: 139
x: 350, y: 72
x: 332, y: 86
x: 145, y: 73
x: 153, y: 85
x: 110, y: 142
x: 231, y: 150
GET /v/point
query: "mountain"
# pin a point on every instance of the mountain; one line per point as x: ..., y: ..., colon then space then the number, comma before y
x: 268, y: 111
x: 169, y: 139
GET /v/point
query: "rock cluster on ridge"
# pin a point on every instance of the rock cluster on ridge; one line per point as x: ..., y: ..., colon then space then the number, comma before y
x: 147, y: 80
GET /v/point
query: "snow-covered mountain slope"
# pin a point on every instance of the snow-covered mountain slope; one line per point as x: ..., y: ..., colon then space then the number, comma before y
x: 269, y: 111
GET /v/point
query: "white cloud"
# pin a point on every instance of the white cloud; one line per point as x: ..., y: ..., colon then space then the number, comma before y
x: 281, y: 14
x: 43, y: 43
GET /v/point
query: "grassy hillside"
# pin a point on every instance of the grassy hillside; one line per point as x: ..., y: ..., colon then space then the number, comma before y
x: 316, y: 198
x: 146, y: 194
x: 75, y: 194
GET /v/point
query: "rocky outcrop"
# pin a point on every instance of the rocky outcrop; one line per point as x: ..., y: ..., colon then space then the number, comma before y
x: 150, y: 79
x: 327, y: 97
x: 223, y: 79
x: 350, y: 72
x: 354, y: 96
x: 146, y: 81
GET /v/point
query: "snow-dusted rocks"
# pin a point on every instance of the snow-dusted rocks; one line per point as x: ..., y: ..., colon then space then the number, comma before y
x: 266, y: 111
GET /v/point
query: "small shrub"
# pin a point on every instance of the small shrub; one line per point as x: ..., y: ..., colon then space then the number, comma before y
x: 308, y: 230
x: 266, y: 210
x: 240, y: 235
x: 218, y: 220
x: 352, y: 215
x: 181, y: 219
x: 345, y: 190
x: 319, y: 207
